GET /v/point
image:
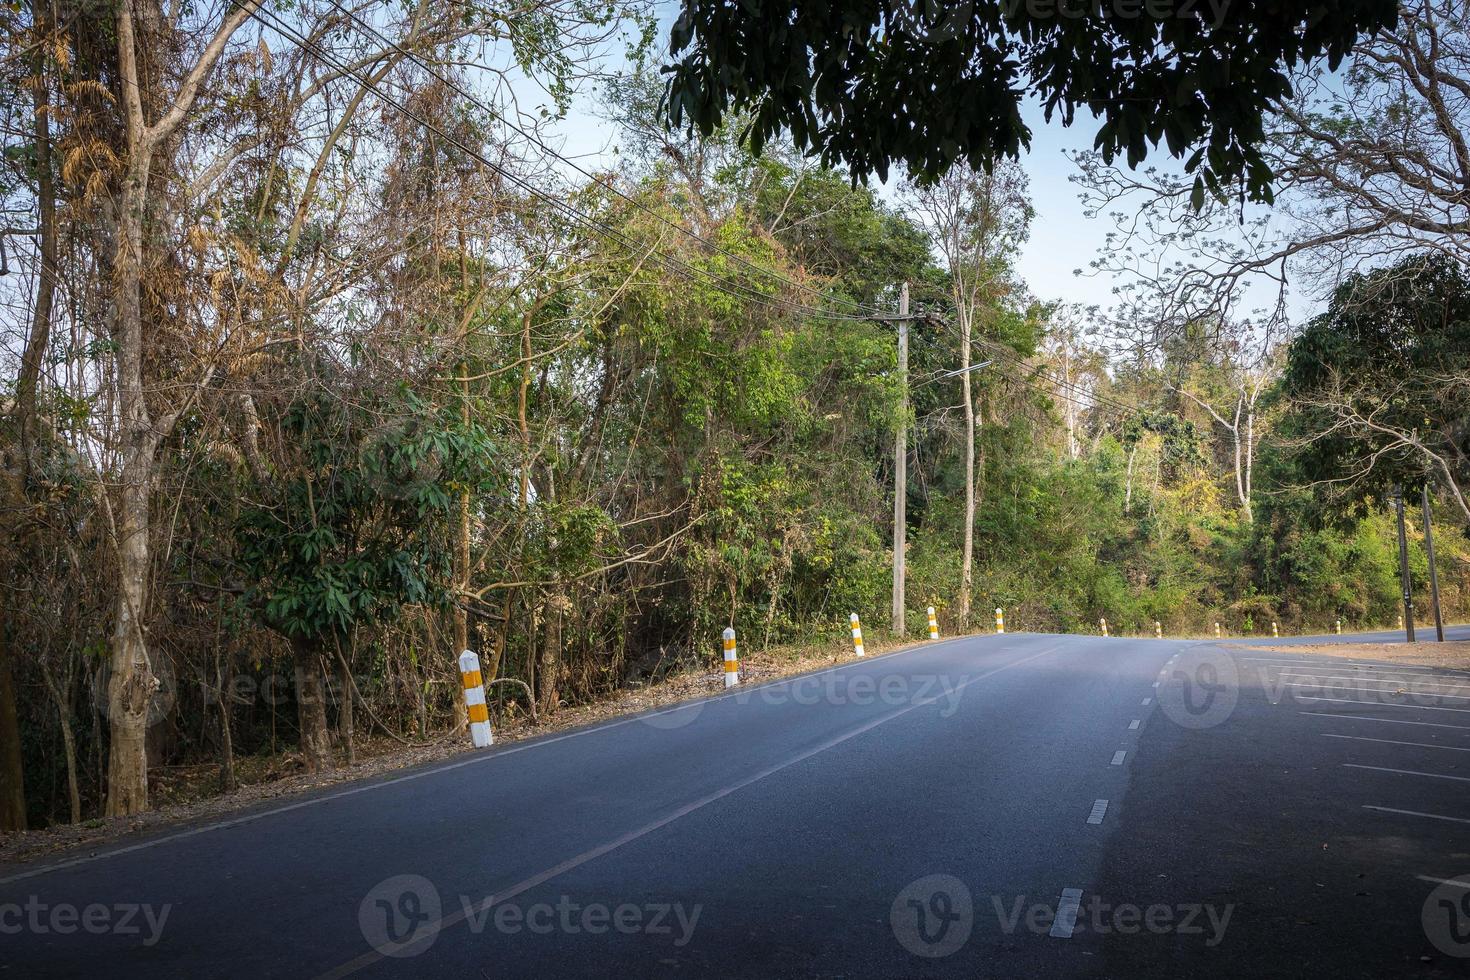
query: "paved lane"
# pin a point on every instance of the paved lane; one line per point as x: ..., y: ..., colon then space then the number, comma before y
x: 926, y: 813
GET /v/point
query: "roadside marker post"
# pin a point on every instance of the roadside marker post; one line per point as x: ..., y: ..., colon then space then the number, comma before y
x: 1000, y: 620
x: 1158, y: 630
x: 1217, y: 631
x: 474, y: 699
x: 1338, y: 626
x: 1274, y: 631
x: 933, y: 625
x: 732, y: 658
x: 857, y: 634
x: 1103, y: 625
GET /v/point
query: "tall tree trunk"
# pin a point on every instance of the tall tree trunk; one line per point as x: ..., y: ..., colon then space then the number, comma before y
x: 311, y: 706
x: 967, y: 562
x: 1250, y: 458
x: 28, y: 382
x: 551, y: 653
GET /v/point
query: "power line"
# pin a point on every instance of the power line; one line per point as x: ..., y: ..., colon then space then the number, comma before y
x: 713, y: 246
x: 728, y: 286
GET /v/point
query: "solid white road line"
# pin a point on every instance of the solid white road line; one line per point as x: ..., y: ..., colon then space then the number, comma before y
x: 1099, y: 809
x: 1403, y: 680
x: 499, y: 753
x: 1415, y: 813
x: 1385, y: 685
x: 1457, y: 882
x: 1118, y: 757
x: 477, y: 909
x: 1344, y: 665
x: 1380, y: 704
x: 1386, y: 721
x: 1406, y: 693
x: 1133, y: 725
x: 1407, y: 772
x: 1393, y: 741
x: 1066, y: 919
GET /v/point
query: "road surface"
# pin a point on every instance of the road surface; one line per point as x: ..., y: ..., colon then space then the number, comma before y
x: 1019, y: 805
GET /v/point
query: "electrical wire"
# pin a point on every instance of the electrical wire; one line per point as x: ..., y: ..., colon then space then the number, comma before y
x: 865, y: 312
x: 678, y: 266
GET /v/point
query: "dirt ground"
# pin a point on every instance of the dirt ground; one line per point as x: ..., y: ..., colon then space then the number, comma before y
x: 189, y: 794
x: 1455, y: 654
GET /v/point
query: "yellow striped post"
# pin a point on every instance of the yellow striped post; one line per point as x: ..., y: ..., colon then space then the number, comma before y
x: 1103, y: 625
x: 1274, y: 630
x: 732, y: 658
x: 1000, y: 620
x: 1158, y: 630
x: 474, y: 699
x: 933, y: 625
x: 857, y: 634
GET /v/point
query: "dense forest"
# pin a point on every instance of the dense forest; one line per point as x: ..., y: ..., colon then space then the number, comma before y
x: 320, y: 366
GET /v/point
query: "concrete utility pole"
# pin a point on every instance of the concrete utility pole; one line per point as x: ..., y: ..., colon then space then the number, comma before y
x: 900, y: 461
x: 1433, y: 572
x: 1398, y: 506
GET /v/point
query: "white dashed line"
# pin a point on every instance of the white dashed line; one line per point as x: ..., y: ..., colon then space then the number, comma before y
x: 1099, y: 808
x: 1407, y: 772
x: 1133, y: 725
x: 1394, y: 741
x: 1414, y: 813
x: 1118, y: 756
x: 1148, y: 701
x: 1066, y: 919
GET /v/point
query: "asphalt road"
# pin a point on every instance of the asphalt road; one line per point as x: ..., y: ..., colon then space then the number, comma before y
x: 926, y: 813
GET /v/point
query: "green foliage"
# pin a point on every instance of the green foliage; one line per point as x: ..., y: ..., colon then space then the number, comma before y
x: 353, y: 529
x: 926, y: 85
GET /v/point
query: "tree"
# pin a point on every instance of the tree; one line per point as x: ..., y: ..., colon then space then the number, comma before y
x: 871, y: 84
x: 978, y: 221
x: 353, y: 526
x: 1378, y: 384
x: 1371, y: 164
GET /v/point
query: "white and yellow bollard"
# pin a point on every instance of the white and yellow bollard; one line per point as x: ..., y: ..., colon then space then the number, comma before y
x: 1158, y: 630
x: 474, y: 699
x: 1000, y: 620
x: 1274, y: 630
x: 732, y: 658
x: 1338, y: 626
x: 933, y: 625
x: 1217, y: 631
x: 857, y: 634
x: 1103, y: 626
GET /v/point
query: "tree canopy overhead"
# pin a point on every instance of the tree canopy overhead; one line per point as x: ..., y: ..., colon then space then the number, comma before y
x: 871, y: 83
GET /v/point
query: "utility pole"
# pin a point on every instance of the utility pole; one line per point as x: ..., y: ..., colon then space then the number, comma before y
x: 900, y: 461
x: 1398, y: 506
x: 1433, y: 572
